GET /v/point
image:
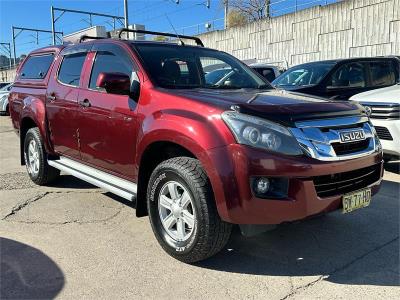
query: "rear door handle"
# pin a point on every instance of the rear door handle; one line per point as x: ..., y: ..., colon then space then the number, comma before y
x: 51, y: 98
x: 85, y: 103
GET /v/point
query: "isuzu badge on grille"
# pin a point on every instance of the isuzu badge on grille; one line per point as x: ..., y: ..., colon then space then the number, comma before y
x: 351, y: 136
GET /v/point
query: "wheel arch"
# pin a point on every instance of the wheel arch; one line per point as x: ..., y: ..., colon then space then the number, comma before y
x: 25, y: 124
x: 153, y: 154
x: 33, y: 114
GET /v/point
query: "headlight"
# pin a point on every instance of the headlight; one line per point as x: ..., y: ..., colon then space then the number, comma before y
x: 378, y: 145
x: 260, y: 133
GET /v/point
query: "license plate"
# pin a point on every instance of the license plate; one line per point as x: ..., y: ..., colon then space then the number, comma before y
x: 351, y: 136
x: 356, y: 200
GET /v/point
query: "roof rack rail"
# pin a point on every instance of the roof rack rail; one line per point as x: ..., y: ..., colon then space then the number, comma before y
x: 196, y: 39
x: 88, y: 37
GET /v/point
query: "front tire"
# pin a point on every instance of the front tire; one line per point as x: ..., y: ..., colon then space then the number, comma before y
x: 182, y: 211
x: 36, y: 159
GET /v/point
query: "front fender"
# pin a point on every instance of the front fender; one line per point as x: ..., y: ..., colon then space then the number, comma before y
x: 195, y: 133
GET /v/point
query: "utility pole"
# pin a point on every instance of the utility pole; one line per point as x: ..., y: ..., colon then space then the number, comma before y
x: 226, y: 14
x: 91, y: 14
x: 126, y: 13
x: 21, y: 29
x: 53, y: 24
x: 13, y: 43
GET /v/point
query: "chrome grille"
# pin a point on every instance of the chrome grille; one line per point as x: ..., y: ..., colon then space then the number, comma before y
x: 320, y: 139
x: 347, y: 148
x: 383, y: 111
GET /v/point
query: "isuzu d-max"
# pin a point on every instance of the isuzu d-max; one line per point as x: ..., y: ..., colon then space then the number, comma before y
x: 139, y: 119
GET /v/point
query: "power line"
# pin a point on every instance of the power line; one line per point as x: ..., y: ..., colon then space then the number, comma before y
x: 169, y: 13
x: 22, y: 29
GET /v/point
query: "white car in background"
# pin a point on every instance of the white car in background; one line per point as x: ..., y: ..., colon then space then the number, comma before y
x: 4, y: 92
x: 385, y: 116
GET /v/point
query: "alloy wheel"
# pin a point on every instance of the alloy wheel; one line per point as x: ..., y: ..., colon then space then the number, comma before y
x: 33, y: 157
x: 176, y: 211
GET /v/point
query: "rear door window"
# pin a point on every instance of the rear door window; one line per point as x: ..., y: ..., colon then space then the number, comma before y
x: 349, y: 75
x: 382, y: 73
x: 71, y: 67
x: 36, y: 67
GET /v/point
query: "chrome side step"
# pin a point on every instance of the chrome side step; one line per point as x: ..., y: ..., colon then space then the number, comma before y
x: 111, y: 183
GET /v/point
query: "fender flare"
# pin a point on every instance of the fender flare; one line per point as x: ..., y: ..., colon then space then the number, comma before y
x: 185, y: 137
x: 34, y: 110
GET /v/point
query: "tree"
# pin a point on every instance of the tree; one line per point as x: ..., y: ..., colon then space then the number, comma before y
x: 253, y: 9
x: 236, y: 18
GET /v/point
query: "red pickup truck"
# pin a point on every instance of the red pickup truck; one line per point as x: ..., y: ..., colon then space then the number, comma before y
x: 141, y: 120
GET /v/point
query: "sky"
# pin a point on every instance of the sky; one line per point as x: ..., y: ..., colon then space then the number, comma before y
x: 188, y: 17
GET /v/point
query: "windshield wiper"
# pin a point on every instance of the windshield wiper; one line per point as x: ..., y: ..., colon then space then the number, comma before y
x: 174, y: 86
x: 264, y: 86
x: 223, y: 87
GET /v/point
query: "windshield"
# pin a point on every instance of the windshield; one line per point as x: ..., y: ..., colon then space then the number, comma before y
x: 172, y: 66
x: 303, y: 75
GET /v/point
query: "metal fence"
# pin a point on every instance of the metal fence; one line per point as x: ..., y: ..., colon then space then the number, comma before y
x: 276, y: 8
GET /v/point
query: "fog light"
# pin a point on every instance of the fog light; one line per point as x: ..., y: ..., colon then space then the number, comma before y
x: 270, y: 187
x: 262, y: 185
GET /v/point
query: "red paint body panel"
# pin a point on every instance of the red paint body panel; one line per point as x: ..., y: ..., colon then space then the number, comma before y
x: 62, y: 114
x: 113, y: 133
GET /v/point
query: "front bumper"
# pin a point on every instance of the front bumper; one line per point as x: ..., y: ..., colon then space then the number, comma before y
x: 230, y: 168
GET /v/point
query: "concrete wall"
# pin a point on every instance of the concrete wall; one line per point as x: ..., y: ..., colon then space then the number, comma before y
x: 7, y: 75
x: 350, y: 28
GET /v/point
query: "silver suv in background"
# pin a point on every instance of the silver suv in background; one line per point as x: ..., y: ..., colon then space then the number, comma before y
x: 385, y: 116
x: 4, y: 92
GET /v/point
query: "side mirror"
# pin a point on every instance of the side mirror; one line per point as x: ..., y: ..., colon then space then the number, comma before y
x: 114, y: 83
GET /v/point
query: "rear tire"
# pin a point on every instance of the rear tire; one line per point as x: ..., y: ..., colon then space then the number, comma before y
x: 182, y: 211
x: 36, y: 159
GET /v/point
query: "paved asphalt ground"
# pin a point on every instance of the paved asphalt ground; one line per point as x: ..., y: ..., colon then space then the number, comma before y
x: 75, y: 241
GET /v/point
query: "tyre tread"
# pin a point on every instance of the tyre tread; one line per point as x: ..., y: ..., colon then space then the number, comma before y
x: 48, y: 173
x: 216, y: 232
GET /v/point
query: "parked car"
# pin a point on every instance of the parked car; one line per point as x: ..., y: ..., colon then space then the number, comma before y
x: 140, y: 119
x: 225, y: 75
x: 340, y: 79
x: 4, y: 92
x: 385, y: 116
x: 218, y: 75
x: 270, y: 72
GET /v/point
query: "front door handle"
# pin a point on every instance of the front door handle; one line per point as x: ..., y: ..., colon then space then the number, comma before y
x: 51, y: 98
x: 85, y: 103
